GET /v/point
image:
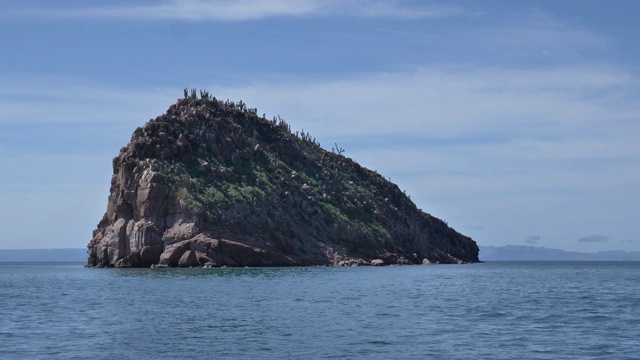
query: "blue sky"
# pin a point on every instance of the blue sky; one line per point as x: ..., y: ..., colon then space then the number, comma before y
x: 515, y: 121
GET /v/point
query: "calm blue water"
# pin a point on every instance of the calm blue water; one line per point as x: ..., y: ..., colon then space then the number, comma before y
x: 480, y: 311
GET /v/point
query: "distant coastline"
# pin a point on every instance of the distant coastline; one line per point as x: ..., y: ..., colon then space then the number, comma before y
x: 535, y: 253
x: 487, y: 253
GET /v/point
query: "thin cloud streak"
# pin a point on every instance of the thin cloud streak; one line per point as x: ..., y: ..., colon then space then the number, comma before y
x: 557, y: 102
x: 539, y: 35
x: 246, y: 10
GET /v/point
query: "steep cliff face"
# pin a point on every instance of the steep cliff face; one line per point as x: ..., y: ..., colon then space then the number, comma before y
x: 210, y: 183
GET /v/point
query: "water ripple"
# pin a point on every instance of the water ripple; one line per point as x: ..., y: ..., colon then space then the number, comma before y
x: 493, y: 310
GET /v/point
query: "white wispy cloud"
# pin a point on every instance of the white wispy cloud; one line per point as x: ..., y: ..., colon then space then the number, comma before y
x: 396, y: 9
x: 243, y: 10
x: 555, y: 140
x: 441, y: 103
x: 489, y: 122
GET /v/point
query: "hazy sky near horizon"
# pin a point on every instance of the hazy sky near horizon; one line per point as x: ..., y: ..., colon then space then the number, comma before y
x: 517, y: 122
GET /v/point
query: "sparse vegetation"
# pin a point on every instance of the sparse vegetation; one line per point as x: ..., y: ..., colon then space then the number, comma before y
x: 253, y: 176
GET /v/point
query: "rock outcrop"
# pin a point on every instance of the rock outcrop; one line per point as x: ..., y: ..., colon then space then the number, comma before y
x: 210, y: 183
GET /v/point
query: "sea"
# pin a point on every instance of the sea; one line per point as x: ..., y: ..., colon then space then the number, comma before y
x: 493, y: 310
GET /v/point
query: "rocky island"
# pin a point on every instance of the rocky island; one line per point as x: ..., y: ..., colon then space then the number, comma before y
x: 211, y: 183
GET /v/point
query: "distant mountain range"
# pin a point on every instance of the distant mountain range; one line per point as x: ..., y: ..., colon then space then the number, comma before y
x: 487, y: 253
x: 535, y: 253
